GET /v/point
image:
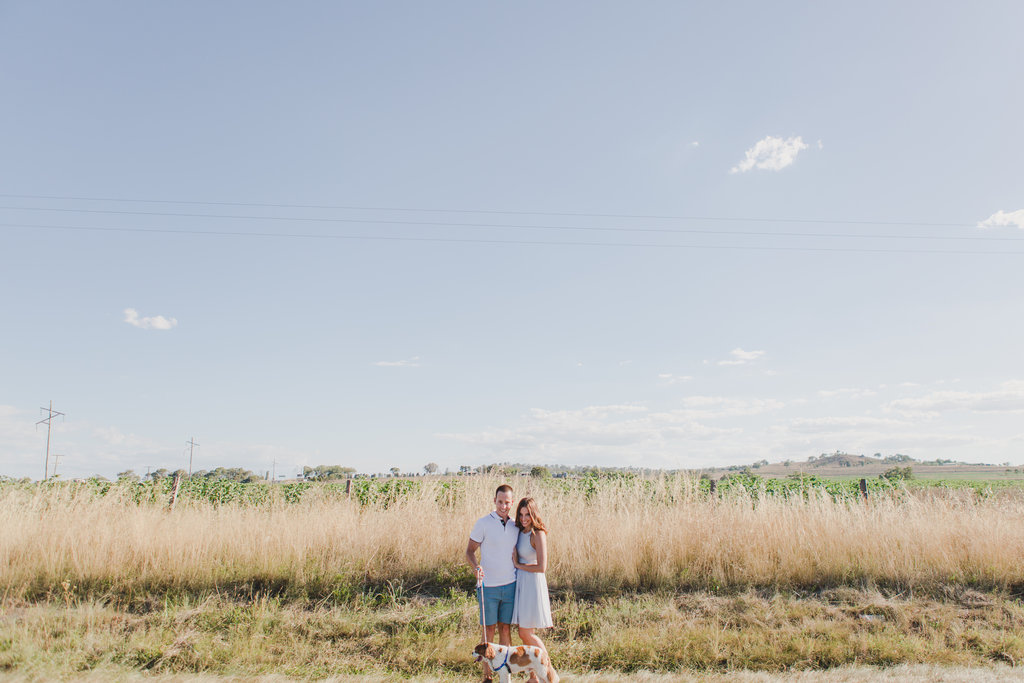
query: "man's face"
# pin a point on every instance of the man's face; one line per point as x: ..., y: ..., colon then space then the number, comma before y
x: 503, y: 504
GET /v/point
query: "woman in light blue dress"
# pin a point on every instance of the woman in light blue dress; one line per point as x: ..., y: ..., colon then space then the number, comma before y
x: 532, y: 605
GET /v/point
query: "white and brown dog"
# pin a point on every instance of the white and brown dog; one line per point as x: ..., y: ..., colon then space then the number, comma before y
x: 509, y: 660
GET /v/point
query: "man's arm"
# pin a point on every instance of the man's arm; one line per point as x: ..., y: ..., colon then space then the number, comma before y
x: 471, y: 549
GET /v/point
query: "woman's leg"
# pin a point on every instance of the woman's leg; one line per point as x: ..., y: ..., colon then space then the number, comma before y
x: 529, y: 637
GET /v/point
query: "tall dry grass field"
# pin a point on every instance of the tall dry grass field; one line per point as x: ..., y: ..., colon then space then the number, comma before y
x: 618, y: 536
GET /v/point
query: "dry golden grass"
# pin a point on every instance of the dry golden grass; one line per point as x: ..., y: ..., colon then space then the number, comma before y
x: 898, y: 674
x: 632, y: 535
x: 113, y: 587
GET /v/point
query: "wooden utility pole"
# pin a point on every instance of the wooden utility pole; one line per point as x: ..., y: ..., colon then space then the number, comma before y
x: 174, y: 491
x: 49, y: 425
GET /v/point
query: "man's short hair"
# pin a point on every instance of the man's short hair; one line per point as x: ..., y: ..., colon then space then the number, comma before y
x: 504, y: 488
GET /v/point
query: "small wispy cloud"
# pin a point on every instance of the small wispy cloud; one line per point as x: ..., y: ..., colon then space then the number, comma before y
x: 1001, y: 219
x: 771, y: 154
x: 113, y: 437
x: 847, y: 392
x: 592, y: 429
x: 695, y: 143
x: 669, y: 378
x: 832, y: 425
x: 741, y: 357
x: 711, y: 407
x: 1009, y: 398
x: 413, y: 362
x: 157, y: 322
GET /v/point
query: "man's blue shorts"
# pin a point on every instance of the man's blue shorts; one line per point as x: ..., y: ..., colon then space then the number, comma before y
x: 498, y: 602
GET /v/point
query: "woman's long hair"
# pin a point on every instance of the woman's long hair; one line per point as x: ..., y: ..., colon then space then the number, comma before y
x: 531, y: 505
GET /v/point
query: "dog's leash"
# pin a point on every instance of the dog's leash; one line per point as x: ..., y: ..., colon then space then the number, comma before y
x: 483, y: 622
x: 483, y: 626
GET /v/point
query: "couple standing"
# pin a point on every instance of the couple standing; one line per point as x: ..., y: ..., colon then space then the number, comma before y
x: 513, y: 558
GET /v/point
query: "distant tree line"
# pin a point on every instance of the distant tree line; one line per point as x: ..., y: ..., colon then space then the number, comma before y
x: 220, y: 473
x: 327, y: 472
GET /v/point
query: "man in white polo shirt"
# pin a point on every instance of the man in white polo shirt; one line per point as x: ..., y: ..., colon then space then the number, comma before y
x: 495, y: 535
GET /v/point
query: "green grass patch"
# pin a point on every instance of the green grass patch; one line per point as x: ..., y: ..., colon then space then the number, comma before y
x: 400, y: 635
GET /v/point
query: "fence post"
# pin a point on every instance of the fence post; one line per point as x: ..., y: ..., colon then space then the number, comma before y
x: 864, y: 489
x: 348, y: 488
x: 712, y: 487
x: 174, y: 491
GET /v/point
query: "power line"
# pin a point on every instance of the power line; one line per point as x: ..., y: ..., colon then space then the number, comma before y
x: 450, y: 224
x: 578, y: 214
x: 453, y: 240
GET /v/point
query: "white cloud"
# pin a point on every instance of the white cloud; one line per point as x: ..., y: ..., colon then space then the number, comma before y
x: 408, y: 363
x: 711, y: 407
x: 849, y: 392
x: 771, y: 154
x: 741, y: 357
x: 131, y: 316
x: 695, y: 143
x: 867, y: 434
x: 669, y: 378
x: 834, y: 425
x: 1008, y: 399
x: 112, y: 437
x: 701, y: 430
x: 22, y: 441
x: 623, y: 434
x: 1004, y: 219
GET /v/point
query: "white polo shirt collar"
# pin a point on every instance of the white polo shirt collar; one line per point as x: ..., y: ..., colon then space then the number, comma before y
x: 497, y: 541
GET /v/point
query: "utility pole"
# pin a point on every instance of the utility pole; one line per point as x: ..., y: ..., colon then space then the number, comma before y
x: 56, y: 461
x: 191, y: 443
x: 274, y: 470
x: 49, y: 423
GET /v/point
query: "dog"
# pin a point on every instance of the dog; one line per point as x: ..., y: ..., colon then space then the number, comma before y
x: 509, y: 660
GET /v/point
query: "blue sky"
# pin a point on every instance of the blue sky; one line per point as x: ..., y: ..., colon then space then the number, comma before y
x: 381, y: 235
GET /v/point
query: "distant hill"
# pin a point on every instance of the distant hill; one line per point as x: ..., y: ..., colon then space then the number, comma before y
x: 844, y: 460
